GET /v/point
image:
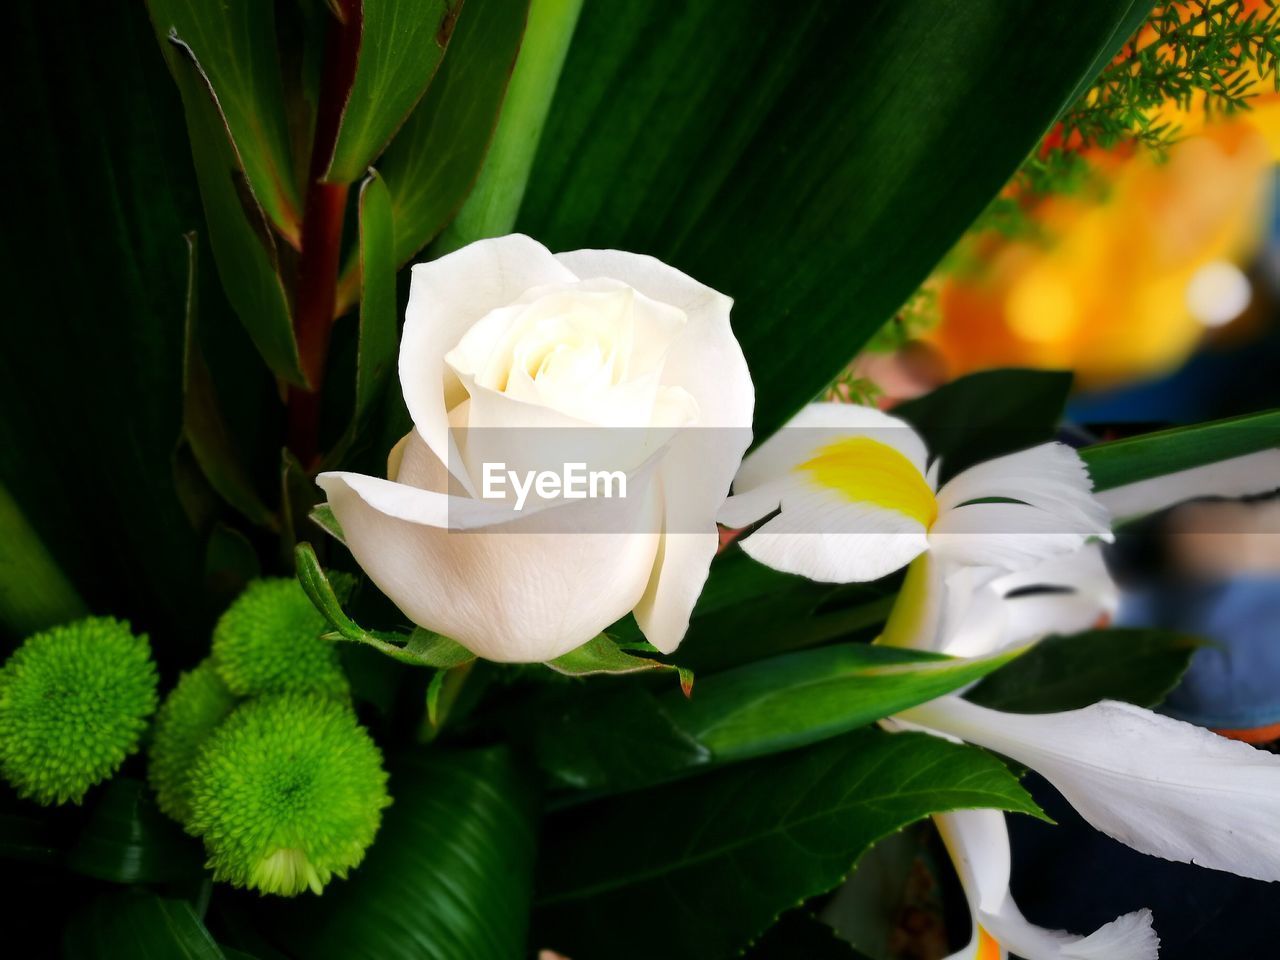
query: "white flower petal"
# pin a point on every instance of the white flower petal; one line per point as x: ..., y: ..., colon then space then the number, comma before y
x: 505, y: 591
x: 1161, y: 786
x: 1012, y: 536
x: 978, y: 841
x: 446, y: 297
x: 1238, y: 477
x: 705, y: 360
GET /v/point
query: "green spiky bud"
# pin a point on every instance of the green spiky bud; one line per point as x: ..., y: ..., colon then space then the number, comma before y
x: 286, y: 793
x: 270, y: 641
x: 74, y: 701
x: 192, y: 710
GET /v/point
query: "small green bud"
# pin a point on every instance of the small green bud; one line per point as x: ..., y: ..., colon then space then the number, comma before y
x: 269, y: 641
x: 191, y: 712
x: 74, y: 702
x: 286, y: 793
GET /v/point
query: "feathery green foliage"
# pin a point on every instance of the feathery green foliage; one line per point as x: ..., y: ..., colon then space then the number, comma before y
x: 269, y: 641
x: 74, y: 701
x: 286, y: 793
x: 192, y: 710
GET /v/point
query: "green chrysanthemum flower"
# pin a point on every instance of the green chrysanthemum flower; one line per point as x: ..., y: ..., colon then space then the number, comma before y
x: 286, y: 793
x: 74, y: 702
x: 269, y: 641
x: 191, y: 712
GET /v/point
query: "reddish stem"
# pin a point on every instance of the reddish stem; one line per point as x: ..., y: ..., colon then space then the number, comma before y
x: 322, y: 216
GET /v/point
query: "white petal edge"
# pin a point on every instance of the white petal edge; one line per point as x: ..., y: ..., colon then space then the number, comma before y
x: 1242, y: 476
x: 1161, y: 786
x: 978, y: 842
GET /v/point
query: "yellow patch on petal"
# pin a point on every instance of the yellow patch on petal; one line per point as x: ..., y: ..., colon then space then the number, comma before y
x: 863, y: 470
x: 988, y: 948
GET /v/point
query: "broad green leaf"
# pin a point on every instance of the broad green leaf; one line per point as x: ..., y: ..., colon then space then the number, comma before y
x: 637, y: 745
x: 90, y: 391
x: 1065, y: 673
x: 603, y: 656
x: 699, y: 868
x: 1118, y: 462
x: 799, y: 698
x: 421, y: 648
x: 491, y: 207
x: 135, y: 925
x: 234, y: 42
x: 203, y: 426
x: 986, y: 415
x: 448, y: 876
x: 244, y: 248
x: 378, y: 338
x: 800, y: 934
x: 401, y: 45
x: 128, y: 840
x: 814, y: 160
x: 34, y: 592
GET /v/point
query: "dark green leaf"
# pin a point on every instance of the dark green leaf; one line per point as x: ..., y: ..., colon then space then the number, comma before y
x: 637, y: 744
x: 799, y: 698
x: 1065, y: 673
x: 448, y: 877
x: 401, y: 45
x: 134, y: 925
x: 421, y: 648
x: 234, y: 42
x: 491, y: 207
x: 799, y: 934
x: 322, y: 516
x: 645, y: 875
x: 34, y: 592
x: 128, y: 839
x: 814, y: 160
x: 244, y: 248
x: 1119, y: 462
x: 988, y: 414
x: 377, y: 339
x: 202, y: 424
x: 435, y: 158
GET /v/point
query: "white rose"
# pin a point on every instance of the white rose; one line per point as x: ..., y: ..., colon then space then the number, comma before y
x: 501, y: 336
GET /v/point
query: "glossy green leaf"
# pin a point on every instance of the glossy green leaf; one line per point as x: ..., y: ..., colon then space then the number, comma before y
x: 34, y: 592
x: 490, y: 209
x: 814, y: 160
x: 799, y: 698
x: 234, y: 42
x: 128, y: 840
x: 378, y: 335
x: 800, y: 934
x: 203, y: 426
x: 95, y: 269
x: 640, y: 876
x: 986, y: 415
x: 602, y: 655
x: 134, y: 925
x: 1065, y: 673
x: 449, y: 875
x: 421, y: 648
x: 1118, y: 462
x: 244, y: 248
x: 436, y: 156
x: 637, y: 744
x: 401, y: 45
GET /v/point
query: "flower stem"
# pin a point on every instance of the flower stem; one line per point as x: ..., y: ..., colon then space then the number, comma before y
x: 322, y: 217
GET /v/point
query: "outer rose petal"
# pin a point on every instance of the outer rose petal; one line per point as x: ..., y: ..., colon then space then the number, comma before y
x: 705, y: 360
x: 505, y: 595
x: 445, y: 298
